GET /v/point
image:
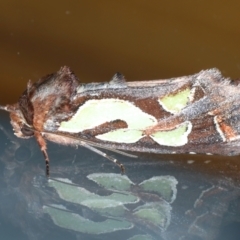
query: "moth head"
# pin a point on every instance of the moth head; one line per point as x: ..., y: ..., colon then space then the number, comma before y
x: 20, y: 126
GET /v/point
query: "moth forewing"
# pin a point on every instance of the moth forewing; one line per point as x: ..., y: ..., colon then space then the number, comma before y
x: 197, y: 113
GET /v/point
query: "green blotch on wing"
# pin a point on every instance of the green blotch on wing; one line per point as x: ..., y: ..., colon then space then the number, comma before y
x: 77, y: 223
x: 175, y: 103
x: 122, y: 136
x: 96, y: 112
x: 173, y: 138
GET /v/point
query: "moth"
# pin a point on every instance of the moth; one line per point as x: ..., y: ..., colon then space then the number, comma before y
x: 197, y: 113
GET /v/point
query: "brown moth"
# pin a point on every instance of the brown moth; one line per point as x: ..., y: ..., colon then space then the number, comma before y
x: 197, y: 113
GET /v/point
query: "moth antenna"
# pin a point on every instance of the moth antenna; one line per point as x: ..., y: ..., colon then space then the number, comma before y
x: 93, y: 147
x: 114, y: 160
x: 94, y: 144
x: 62, y: 181
x: 59, y: 209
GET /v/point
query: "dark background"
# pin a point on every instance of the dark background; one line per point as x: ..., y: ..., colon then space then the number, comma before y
x: 142, y: 39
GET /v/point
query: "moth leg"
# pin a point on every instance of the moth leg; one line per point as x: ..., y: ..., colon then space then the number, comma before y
x: 114, y: 160
x: 43, y: 146
x: 46, y: 161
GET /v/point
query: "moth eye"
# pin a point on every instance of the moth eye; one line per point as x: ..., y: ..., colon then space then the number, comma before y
x: 26, y: 131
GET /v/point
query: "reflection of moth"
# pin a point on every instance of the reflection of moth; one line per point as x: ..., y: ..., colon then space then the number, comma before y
x: 16, y: 152
x: 121, y: 209
x: 198, y: 113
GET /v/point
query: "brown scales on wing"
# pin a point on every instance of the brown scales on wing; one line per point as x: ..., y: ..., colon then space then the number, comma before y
x: 227, y: 130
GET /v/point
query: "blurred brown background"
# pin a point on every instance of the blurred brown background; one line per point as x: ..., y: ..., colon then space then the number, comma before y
x: 141, y: 39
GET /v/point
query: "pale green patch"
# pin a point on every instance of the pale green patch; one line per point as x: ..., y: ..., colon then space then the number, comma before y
x: 175, y: 103
x: 72, y: 221
x: 164, y: 186
x: 112, y: 204
x: 112, y: 181
x: 79, y: 195
x: 96, y: 112
x: 158, y: 214
x: 174, y: 138
x: 122, y: 136
x: 141, y: 237
x: 106, y: 206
